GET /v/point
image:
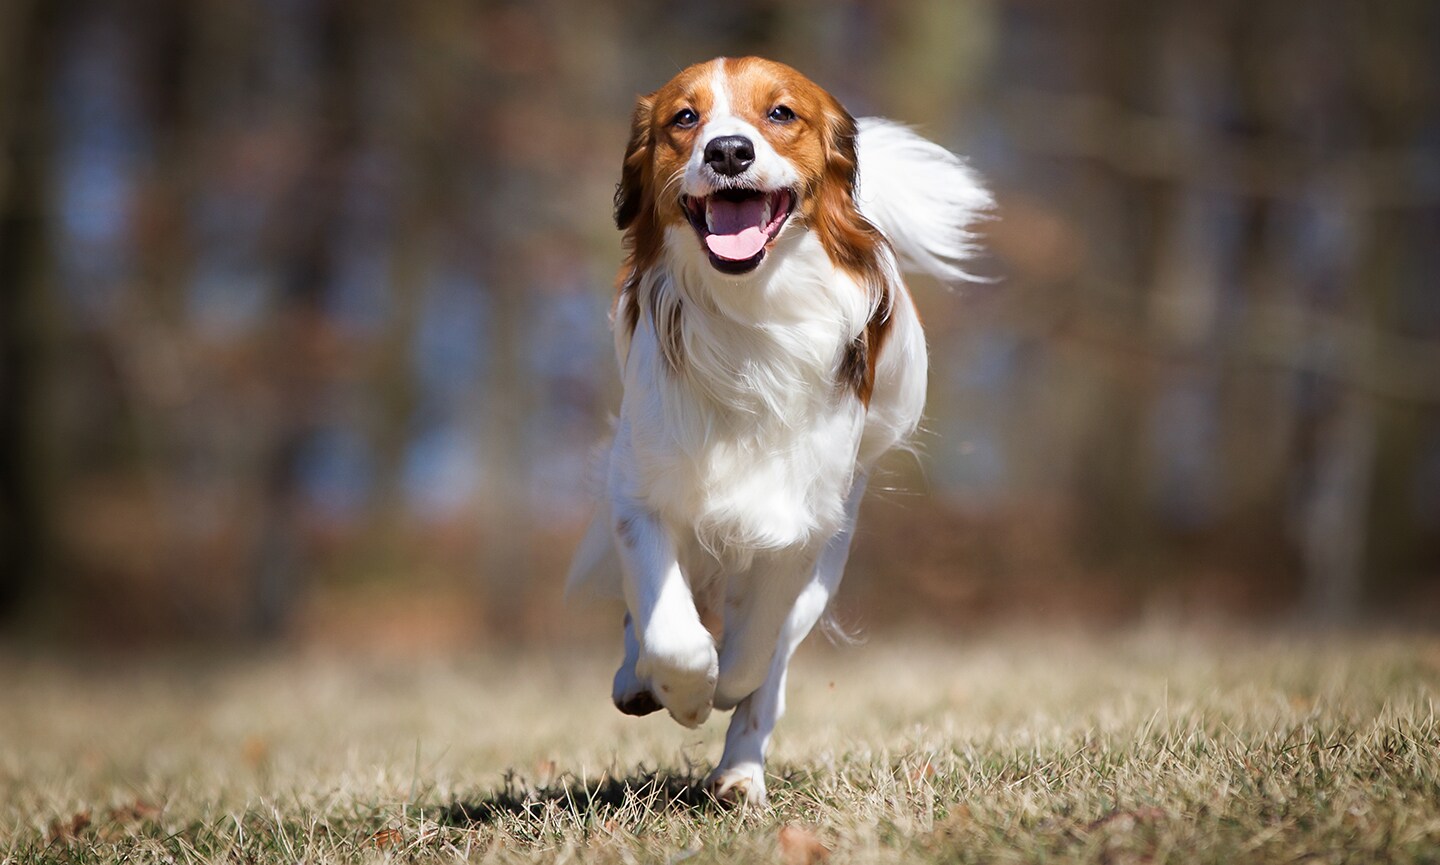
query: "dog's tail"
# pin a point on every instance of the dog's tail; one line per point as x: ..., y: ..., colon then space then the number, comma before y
x: 922, y: 196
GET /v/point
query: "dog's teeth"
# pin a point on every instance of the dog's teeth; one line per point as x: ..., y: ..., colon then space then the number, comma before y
x: 709, y: 217
x: 765, y: 213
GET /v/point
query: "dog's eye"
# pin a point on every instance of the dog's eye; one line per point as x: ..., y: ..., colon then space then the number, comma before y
x: 781, y: 114
x: 685, y: 118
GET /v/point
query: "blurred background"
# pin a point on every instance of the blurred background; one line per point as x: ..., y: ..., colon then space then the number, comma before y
x: 303, y: 310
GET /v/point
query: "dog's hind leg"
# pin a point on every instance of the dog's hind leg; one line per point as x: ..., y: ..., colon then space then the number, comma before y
x: 757, y: 609
x: 740, y: 774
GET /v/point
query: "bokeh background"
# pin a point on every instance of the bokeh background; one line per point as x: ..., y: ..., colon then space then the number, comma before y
x: 303, y: 310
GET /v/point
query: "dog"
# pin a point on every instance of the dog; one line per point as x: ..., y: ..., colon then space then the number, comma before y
x: 770, y: 354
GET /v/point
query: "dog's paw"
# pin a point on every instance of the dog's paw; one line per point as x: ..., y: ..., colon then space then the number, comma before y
x: 630, y: 693
x: 681, y: 667
x: 638, y: 704
x: 743, y: 784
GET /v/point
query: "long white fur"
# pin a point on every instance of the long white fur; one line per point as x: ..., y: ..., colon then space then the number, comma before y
x: 735, y: 475
x: 922, y: 196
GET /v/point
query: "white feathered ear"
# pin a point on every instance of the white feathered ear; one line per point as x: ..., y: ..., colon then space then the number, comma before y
x: 922, y: 196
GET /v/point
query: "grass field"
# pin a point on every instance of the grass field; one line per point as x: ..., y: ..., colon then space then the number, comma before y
x: 1149, y: 747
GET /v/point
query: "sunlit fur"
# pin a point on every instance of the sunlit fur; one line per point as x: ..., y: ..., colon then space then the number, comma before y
x: 755, y: 404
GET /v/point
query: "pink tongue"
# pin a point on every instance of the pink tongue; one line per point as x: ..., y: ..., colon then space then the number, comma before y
x: 737, y: 247
x: 737, y: 235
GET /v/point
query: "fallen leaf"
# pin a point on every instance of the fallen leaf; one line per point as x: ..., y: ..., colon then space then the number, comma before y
x: 386, y: 838
x: 1127, y: 819
x: 255, y: 750
x: 136, y: 811
x: 957, y: 821
x: 68, y: 830
x: 922, y: 772
x: 800, y: 846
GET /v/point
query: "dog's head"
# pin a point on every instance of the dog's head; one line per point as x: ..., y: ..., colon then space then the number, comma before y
x: 737, y: 151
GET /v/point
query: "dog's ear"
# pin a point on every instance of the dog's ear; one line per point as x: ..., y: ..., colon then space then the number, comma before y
x: 854, y: 243
x: 842, y: 160
x: 852, y: 240
x: 630, y: 195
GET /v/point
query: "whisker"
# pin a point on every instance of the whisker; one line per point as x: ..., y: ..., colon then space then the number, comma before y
x: 675, y: 178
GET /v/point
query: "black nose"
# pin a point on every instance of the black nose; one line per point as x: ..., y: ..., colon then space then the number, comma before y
x: 729, y: 155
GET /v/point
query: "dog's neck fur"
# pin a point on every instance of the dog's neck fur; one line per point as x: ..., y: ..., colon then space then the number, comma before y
x: 758, y: 419
x: 767, y: 344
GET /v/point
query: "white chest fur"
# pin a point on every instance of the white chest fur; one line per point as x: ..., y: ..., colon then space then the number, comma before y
x: 743, y: 435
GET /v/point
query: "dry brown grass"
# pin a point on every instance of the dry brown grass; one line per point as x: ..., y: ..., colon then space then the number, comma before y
x: 1138, y: 748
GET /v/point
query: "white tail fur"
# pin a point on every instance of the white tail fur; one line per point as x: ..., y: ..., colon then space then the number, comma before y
x: 922, y: 196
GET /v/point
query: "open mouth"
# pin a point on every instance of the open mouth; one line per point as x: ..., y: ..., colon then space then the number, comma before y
x: 737, y: 225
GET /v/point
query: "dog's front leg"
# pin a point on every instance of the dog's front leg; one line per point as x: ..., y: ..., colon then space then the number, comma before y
x: 676, y: 653
x: 630, y: 693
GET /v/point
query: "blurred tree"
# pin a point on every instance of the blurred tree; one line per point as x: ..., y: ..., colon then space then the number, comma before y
x: 308, y: 293
x: 29, y: 30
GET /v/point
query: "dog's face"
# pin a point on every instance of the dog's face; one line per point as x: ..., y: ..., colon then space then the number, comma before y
x: 737, y: 150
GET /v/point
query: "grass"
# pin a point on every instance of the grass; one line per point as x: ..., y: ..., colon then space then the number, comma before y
x: 1144, y: 747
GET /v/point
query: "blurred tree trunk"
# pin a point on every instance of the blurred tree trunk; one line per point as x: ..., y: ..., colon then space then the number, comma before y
x: 28, y: 36
x: 1334, y: 514
x: 1115, y: 524
x: 304, y: 241
x: 506, y: 558
x: 1364, y: 537
x: 417, y: 129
